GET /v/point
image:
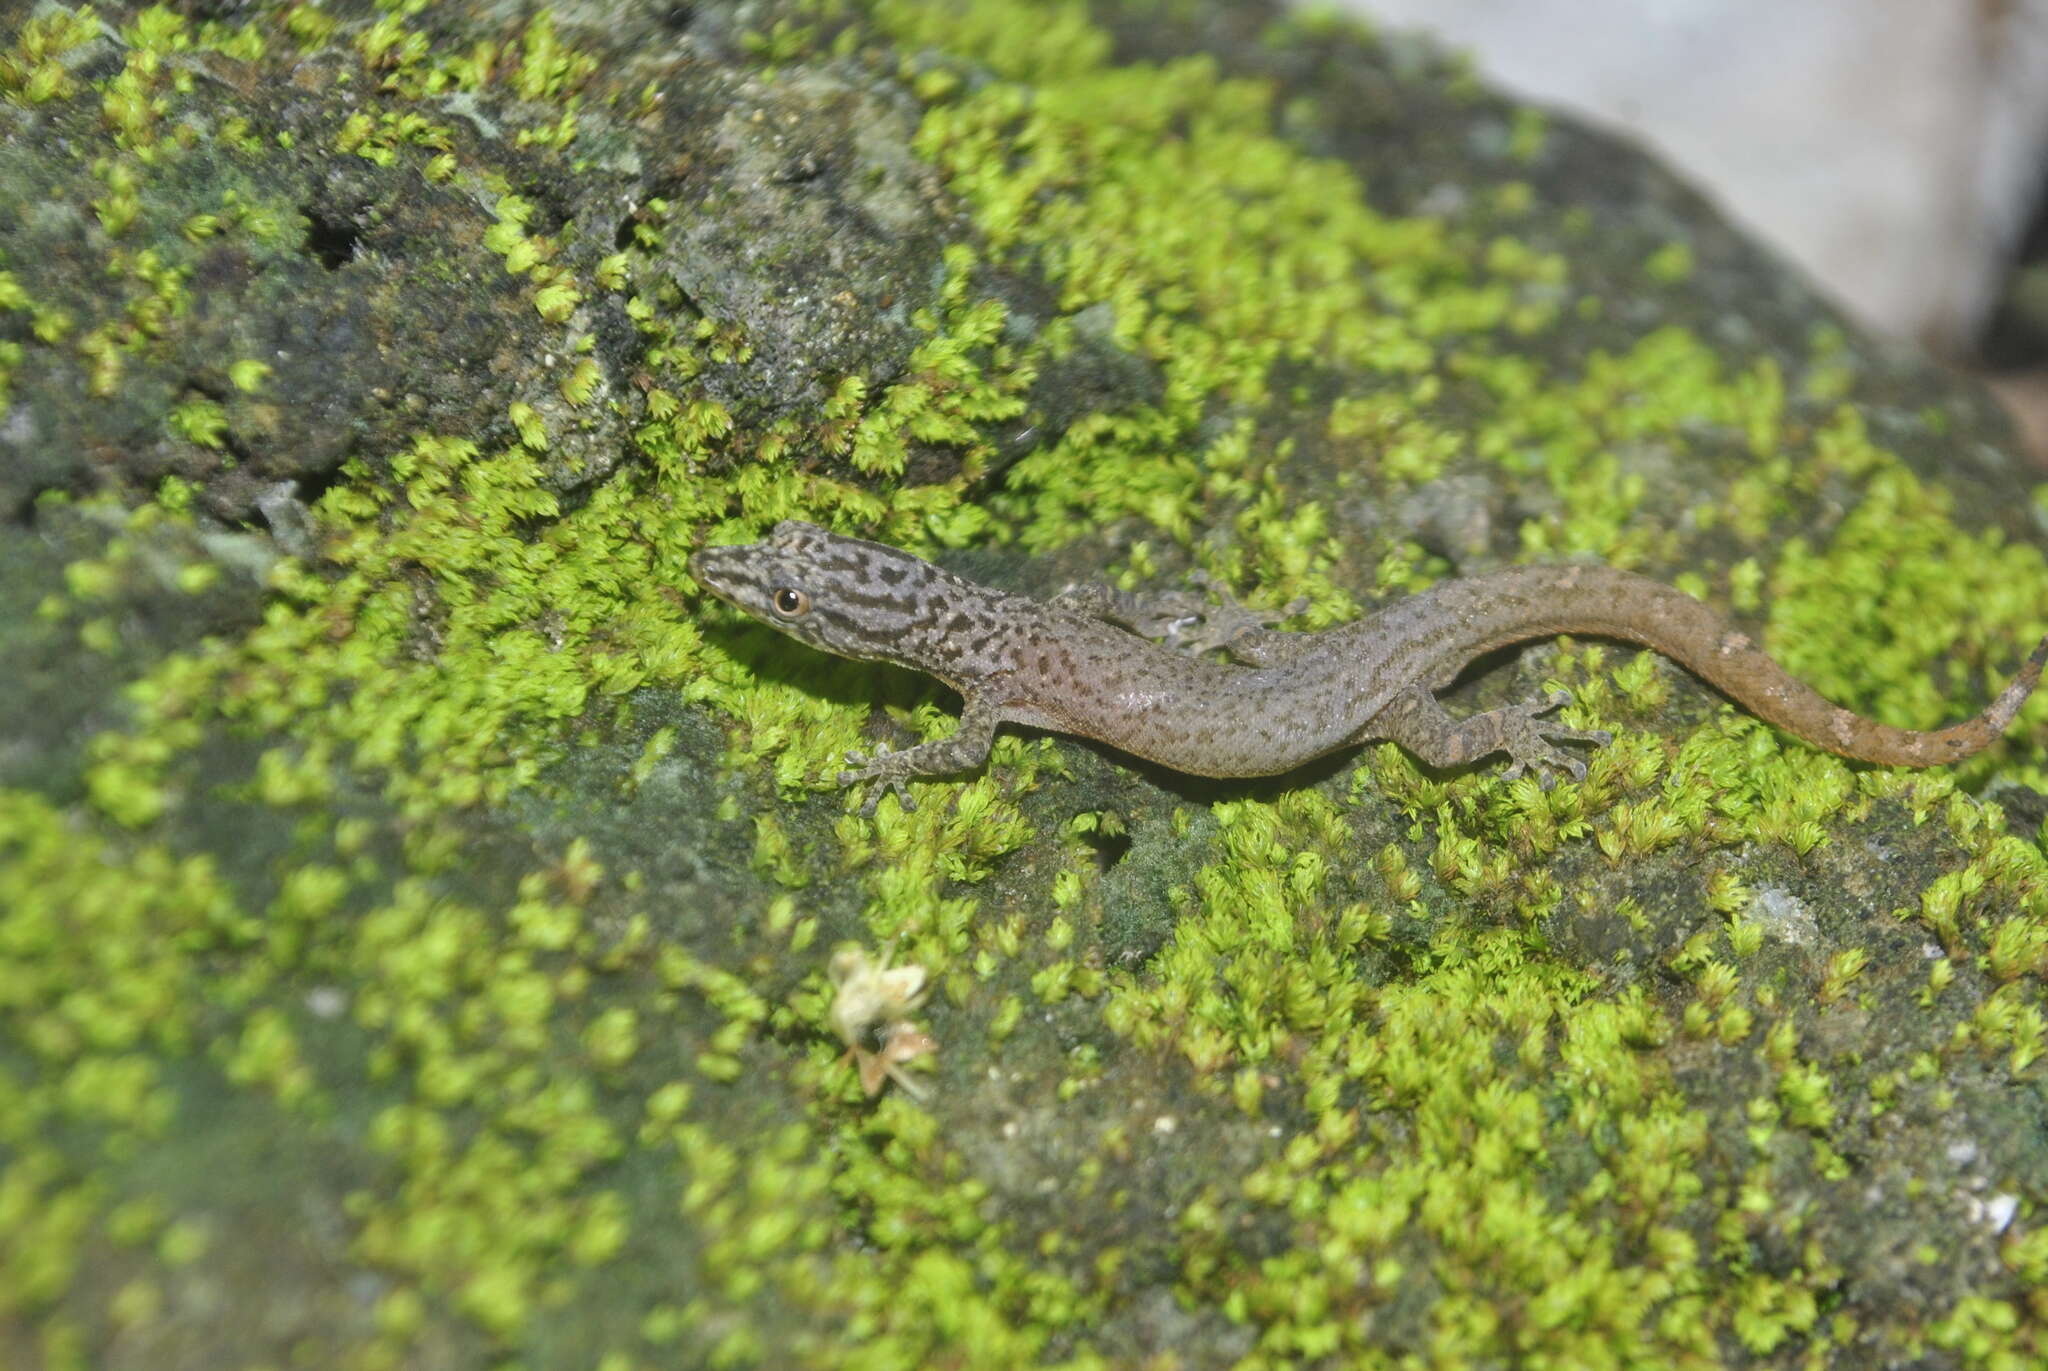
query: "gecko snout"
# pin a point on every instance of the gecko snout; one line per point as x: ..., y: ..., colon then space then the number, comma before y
x: 719, y: 570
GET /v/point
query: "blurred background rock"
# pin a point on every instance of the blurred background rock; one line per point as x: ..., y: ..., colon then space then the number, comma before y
x: 1892, y: 149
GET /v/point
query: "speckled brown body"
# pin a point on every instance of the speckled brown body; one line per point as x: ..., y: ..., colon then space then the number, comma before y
x: 1067, y: 665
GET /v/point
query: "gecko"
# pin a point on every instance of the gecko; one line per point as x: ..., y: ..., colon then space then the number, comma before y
x: 1085, y: 662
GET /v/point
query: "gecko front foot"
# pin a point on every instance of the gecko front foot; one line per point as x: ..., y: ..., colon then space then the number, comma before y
x: 1527, y: 739
x: 964, y: 751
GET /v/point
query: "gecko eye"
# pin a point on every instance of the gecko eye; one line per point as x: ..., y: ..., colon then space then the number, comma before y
x: 790, y: 602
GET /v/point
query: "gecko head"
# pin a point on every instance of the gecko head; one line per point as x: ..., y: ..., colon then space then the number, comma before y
x: 853, y: 598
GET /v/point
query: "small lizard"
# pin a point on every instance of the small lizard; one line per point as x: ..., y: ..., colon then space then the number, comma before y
x: 1084, y: 663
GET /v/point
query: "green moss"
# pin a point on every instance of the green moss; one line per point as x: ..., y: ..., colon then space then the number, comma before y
x: 1670, y: 264
x: 33, y: 68
x: 1174, y: 286
x: 101, y: 987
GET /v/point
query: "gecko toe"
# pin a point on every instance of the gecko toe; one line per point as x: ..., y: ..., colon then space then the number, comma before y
x: 1532, y: 751
x: 1530, y: 740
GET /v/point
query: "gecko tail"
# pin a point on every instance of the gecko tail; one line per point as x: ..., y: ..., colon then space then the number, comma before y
x: 2007, y: 705
x: 1910, y: 747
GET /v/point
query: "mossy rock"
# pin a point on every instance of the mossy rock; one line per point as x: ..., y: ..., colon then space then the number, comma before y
x: 416, y: 899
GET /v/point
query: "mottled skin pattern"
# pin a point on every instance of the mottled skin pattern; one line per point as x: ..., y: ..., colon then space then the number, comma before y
x: 1083, y: 663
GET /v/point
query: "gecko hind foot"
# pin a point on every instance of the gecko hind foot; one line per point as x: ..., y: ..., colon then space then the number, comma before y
x: 887, y: 772
x: 1225, y: 623
x: 1239, y: 631
x: 1528, y: 739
